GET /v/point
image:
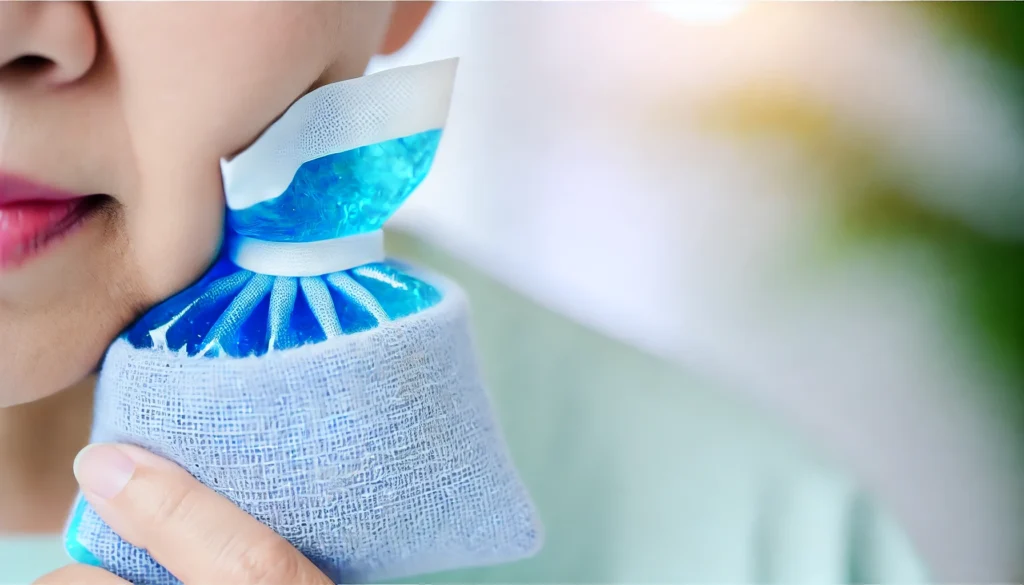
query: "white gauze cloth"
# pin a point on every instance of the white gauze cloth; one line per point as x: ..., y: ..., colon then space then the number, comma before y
x: 341, y: 406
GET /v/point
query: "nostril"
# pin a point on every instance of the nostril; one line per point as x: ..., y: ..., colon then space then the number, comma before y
x: 27, y: 66
x: 31, y: 64
x: 46, y: 45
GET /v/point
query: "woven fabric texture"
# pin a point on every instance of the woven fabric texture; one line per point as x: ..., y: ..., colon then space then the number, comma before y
x: 376, y: 454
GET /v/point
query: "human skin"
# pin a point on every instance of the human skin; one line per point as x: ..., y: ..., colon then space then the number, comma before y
x: 136, y: 103
x: 139, y: 102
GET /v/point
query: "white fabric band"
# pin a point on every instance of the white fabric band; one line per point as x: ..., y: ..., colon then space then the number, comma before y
x: 339, y: 117
x: 307, y: 258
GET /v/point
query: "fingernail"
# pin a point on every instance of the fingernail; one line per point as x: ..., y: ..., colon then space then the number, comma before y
x: 103, y: 470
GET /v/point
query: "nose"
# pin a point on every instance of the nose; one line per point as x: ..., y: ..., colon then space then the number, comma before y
x: 49, y: 42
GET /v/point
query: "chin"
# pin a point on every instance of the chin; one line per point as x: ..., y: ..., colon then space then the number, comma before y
x: 40, y: 368
x: 60, y: 315
x: 22, y: 387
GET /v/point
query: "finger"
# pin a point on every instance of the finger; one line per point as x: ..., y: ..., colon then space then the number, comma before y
x: 197, y: 535
x: 80, y: 575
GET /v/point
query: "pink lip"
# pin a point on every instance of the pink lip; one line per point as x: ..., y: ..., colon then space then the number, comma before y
x: 15, y: 190
x: 32, y: 217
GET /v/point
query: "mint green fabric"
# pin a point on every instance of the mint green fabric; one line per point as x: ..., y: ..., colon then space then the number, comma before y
x: 641, y: 472
x: 25, y: 559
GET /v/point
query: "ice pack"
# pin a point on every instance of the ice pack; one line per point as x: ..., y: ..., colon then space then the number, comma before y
x: 330, y: 392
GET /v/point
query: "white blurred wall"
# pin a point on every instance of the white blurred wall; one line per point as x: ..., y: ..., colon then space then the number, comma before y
x: 570, y: 171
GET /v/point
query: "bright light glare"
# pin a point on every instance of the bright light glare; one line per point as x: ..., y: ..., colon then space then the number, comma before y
x: 701, y: 11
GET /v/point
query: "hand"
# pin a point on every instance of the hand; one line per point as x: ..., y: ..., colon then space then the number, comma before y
x: 199, y: 536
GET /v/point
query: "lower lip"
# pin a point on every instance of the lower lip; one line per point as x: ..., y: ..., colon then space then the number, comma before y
x: 27, y: 229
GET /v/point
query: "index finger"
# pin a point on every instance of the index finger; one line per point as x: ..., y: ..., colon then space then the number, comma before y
x: 196, y: 534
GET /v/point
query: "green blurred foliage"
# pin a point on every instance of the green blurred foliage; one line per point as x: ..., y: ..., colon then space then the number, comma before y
x: 878, y: 206
x: 995, y: 28
x: 989, y: 270
x: 987, y: 273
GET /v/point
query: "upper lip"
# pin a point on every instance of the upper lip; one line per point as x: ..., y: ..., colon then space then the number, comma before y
x: 17, y: 190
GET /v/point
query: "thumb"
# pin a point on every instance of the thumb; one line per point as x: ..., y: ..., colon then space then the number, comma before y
x: 196, y: 534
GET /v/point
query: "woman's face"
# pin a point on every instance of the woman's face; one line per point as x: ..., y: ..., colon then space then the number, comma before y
x: 134, y: 104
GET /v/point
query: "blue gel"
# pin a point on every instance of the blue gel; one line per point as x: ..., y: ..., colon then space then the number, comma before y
x: 343, y: 194
x: 237, y: 313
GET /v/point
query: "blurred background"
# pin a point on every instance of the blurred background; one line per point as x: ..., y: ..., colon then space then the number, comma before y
x: 819, y: 204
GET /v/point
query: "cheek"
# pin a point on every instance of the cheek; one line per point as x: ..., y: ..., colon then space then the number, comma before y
x: 197, y: 82
x: 174, y: 222
x: 54, y: 336
x: 180, y: 85
x: 211, y: 76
